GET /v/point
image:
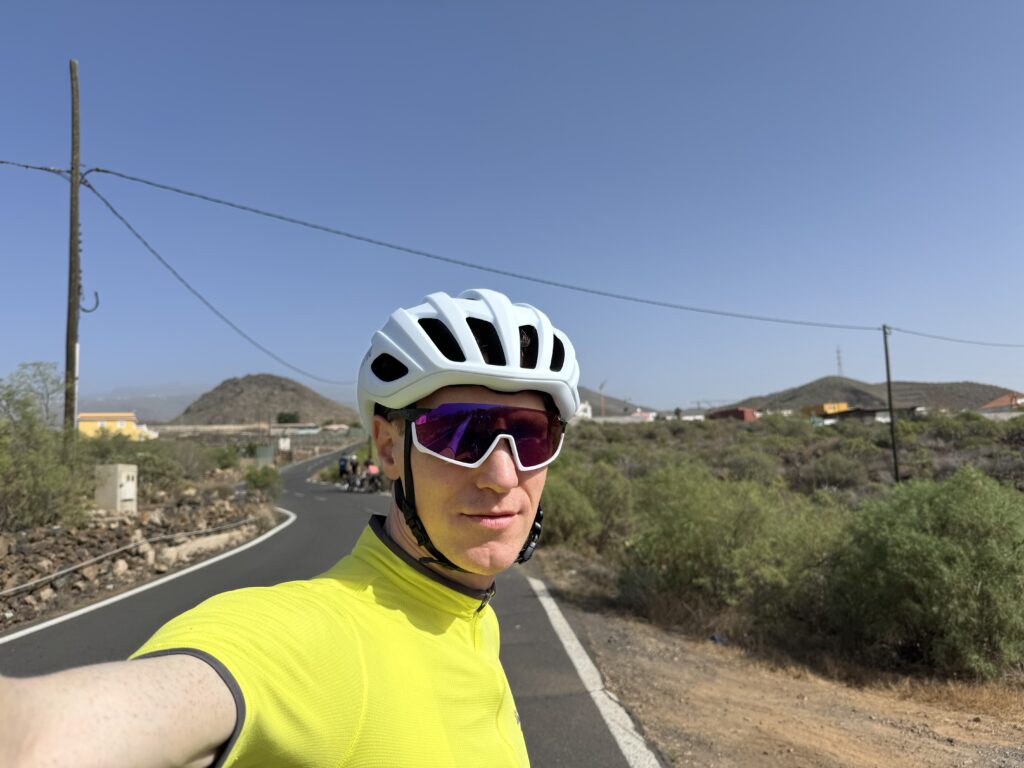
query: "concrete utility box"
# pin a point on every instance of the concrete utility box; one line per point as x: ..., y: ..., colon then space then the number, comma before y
x: 117, y: 488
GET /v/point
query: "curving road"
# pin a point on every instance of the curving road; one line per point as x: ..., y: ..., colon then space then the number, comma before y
x: 561, y: 721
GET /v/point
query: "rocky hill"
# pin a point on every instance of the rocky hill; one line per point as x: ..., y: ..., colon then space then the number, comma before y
x: 953, y: 396
x: 260, y: 397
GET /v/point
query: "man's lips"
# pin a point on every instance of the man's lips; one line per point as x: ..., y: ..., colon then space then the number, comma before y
x: 492, y: 519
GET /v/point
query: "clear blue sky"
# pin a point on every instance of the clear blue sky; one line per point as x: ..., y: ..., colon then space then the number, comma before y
x: 843, y: 162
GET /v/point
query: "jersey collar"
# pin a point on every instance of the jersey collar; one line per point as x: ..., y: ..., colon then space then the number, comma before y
x: 480, y: 597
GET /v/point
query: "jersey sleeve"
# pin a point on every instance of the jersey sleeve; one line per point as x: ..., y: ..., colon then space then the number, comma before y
x: 294, y: 663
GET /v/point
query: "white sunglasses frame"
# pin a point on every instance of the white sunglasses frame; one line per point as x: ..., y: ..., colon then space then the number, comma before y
x: 515, y: 452
x: 411, y: 414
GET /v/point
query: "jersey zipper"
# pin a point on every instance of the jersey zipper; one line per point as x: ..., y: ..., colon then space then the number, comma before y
x: 486, y: 598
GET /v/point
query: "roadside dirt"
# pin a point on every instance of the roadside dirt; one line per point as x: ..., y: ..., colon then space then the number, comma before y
x: 704, y: 704
x: 38, y: 574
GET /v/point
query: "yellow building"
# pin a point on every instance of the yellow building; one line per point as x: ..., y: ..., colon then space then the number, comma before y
x: 825, y: 409
x: 127, y: 424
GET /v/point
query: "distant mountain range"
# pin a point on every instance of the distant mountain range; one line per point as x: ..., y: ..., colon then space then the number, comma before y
x: 953, y: 396
x: 262, y: 396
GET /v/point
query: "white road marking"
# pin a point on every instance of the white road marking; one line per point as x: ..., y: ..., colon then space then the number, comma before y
x: 151, y: 584
x: 631, y: 743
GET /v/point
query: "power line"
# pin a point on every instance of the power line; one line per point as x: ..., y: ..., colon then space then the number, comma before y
x: 956, y: 341
x: 200, y: 296
x: 471, y: 265
x: 63, y: 172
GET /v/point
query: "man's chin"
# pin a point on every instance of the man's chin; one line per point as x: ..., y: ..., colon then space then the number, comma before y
x: 490, y: 559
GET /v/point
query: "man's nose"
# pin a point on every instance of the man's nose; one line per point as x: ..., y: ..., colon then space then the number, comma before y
x: 499, y: 469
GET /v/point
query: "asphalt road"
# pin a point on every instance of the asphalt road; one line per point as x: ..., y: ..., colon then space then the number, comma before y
x: 562, y: 725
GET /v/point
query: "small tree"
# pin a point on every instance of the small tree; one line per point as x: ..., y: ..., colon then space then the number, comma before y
x: 288, y: 417
x: 36, y: 486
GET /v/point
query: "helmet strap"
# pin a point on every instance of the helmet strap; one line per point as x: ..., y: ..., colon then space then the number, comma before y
x: 531, y: 541
x: 405, y: 498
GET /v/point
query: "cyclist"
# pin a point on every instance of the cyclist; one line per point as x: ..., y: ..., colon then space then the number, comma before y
x: 390, y: 657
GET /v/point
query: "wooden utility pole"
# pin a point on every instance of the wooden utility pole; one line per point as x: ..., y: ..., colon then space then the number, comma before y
x: 892, y: 413
x: 74, y: 282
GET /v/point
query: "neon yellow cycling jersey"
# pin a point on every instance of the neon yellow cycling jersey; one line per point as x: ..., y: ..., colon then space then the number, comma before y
x: 377, y: 662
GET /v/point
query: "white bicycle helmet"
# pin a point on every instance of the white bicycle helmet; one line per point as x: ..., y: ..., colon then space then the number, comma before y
x: 446, y: 341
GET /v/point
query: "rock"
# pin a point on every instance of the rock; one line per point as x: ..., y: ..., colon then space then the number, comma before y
x: 91, y: 571
x: 115, y: 525
x: 44, y: 564
x: 8, y: 615
x: 144, y: 548
x: 160, y: 568
x: 150, y: 556
x: 78, y: 586
x: 167, y: 556
x: 188, y: 493
x: 120, y: 567
x: 12, y: 582
x: 7, y: 544
x: 30, y: 600
x: 46, y: 594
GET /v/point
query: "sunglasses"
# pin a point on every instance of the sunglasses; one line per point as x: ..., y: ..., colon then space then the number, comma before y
x: 467, y: 433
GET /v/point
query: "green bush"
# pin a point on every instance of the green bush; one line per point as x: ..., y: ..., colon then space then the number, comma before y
x: 38, y: 486
x: 265, y: 480
x: 742, y: 463
x: 568, y: 517
x: 704, y: 546
x: 931, y: 575
x: 224, y: 457
x: 1013, y: 432
x: 963, y: 430
x: 832, y: 469
x: 610, y: 495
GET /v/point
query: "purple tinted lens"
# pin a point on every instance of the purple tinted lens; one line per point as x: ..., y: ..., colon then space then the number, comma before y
x: 464, y: 431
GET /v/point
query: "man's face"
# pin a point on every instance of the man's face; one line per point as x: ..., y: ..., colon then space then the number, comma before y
x: 479, y: 518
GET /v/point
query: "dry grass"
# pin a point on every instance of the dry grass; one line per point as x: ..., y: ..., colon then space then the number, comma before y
x: 1000, y: 699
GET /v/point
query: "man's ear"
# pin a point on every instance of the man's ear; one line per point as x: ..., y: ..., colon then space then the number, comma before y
x: 389, y: 447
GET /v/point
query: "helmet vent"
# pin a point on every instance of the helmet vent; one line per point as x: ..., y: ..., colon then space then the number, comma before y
x: 558, y: 356
x: 387, y: 368
x: 443, y: 339
x: 527, y: 346
x: 487, y: 339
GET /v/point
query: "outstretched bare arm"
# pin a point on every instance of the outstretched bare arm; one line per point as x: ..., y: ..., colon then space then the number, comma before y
x: 165, y: 711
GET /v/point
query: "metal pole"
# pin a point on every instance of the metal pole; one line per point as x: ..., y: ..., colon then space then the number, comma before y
x: 74, y: 280
x: 892, y: 414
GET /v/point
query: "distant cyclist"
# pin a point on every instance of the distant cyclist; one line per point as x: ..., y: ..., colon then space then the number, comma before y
x: 390, y: 658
